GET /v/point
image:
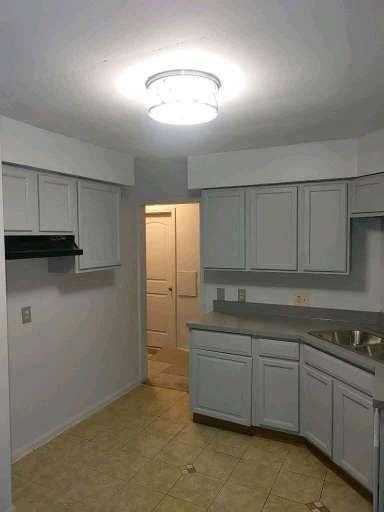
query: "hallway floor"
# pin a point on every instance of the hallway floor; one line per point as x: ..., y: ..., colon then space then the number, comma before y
x: 168, y: 368
x: 143, y: 453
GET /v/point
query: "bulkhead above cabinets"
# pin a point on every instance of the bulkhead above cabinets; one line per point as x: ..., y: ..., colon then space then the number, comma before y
x: 288, y: 228
x: 41, y: 203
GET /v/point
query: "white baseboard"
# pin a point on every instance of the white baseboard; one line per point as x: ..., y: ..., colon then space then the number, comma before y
x: 54, y: 432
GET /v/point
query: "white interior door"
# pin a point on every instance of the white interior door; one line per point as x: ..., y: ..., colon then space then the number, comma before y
x: 161, y: 265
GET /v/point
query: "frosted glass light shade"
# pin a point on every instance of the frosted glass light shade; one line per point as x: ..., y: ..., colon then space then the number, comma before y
x: 183, y: 97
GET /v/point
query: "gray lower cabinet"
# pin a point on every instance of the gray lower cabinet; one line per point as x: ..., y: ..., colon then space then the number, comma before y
x: 276, y: 394
x: 367, y: 196
x: 316, y: 408
x: 353, y: 433
x: 221, y: 385
x: 272, y: 228
x: 325, y: 228
x: 222, y: 229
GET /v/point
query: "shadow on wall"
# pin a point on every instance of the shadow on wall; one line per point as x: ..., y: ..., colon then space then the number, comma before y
x: 32, y: 275
x: 366, y: 251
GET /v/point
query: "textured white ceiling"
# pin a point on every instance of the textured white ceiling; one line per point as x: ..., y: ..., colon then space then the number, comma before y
x: 312, y: 69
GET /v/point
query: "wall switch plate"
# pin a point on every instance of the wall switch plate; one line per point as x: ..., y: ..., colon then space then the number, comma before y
x: 26, y: 314
x: 220, y: 293
x: 241, y: 295
x: 302, y: 299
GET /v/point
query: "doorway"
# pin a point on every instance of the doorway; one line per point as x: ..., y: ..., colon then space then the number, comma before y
x: 172, y: 289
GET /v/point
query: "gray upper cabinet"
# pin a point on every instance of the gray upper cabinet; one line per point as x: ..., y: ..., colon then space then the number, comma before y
x: 221, y: 385
x: 276, y: 394
x: 223, y: 225
x: 367, y: 196
x: 99, y: 227
x: 316, y: 408
x: 353, y: 433
x: 272, y: 228
x: 296, y: 228
x: 325, y: 224
x: 20, y: 200
x: 57, y: 203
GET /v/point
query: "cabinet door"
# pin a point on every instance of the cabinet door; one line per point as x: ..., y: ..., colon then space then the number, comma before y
x: 276, y: 394
x: 20, y: 199
x: 57, y: 205
x: 272, y: 228
x: 353, y: 433
x: 99, y: 225
x: 220, y: 385
x: 223, y: 224
x: 325, y: 228
x: 316, y: 408
x: 367, y: 195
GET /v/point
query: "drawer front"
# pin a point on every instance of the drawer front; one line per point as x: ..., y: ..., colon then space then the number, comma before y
x: 221, y: 342
x: 276, y: 348
x: 341, y: 370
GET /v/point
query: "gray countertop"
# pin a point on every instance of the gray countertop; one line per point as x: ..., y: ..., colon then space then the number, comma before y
x: 295, y: 329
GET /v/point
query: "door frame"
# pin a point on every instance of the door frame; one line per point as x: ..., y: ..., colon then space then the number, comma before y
x: 142, y: 278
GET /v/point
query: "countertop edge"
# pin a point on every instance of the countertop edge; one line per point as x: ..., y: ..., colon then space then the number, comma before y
x: 304, y: 338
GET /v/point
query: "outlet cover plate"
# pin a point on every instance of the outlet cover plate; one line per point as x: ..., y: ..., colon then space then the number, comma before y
x: 26, y: 315
x: 242, y: 295
x: 301, y: 299
x: 220, y: 293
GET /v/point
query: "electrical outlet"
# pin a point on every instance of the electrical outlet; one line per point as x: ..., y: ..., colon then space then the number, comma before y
x: 302, y: 299
x: 220, y: 293
x: 26, y: 314
x: 241, y: 295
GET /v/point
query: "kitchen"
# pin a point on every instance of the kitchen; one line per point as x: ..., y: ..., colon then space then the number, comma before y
x: 286, y: 376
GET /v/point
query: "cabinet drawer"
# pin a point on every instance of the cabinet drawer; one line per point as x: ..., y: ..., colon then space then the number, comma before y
x: 341, y: 370
x: 221, y: 342
x: 276, y: 348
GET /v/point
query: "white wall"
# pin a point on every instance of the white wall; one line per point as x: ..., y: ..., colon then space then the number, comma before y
x: 370, y: 154
x: 5, y: 470
x: 162, y: 181
x: 361, y: 290
x: 81, y: 347
x: 23, y: 144
x: 299, y: 162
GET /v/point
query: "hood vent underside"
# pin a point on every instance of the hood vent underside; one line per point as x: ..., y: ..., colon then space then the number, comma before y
x: 40, y: 246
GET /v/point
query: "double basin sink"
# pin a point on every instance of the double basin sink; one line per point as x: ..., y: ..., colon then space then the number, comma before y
x: 364, y: 342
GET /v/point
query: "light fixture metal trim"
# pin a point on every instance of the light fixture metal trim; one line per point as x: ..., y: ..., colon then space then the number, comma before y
x: 172, y: 100
x: 180, y: 72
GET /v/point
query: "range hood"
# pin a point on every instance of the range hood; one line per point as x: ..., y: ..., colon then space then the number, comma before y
x: 22, y: 247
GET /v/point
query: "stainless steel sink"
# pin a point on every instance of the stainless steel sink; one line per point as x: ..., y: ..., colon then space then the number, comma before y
x: 350, y: 338
x: 373, y: 351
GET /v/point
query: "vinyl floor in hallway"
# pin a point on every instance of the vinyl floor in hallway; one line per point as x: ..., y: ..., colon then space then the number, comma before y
x: 168, y: 368
x: 143, y: 453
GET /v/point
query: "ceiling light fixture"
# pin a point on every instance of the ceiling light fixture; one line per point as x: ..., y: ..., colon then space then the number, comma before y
x: 183, y: 96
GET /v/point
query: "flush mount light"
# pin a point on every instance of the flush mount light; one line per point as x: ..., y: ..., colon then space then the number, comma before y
x: 183, y: 96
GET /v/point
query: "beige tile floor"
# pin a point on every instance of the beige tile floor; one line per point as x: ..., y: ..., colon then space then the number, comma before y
x: 132, y: 457
x: 168, y: 368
